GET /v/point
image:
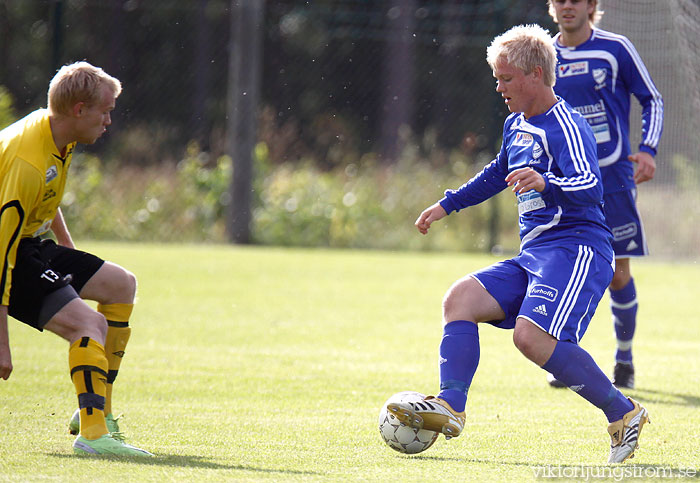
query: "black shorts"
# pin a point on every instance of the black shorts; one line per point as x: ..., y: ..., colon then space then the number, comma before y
x: 45, y: 278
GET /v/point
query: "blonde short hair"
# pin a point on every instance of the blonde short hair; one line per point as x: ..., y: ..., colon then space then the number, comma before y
x: 78, y: 82
x: 525, y: 47
x: 593, y: 18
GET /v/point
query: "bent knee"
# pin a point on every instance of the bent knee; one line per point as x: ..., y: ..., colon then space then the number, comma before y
x: 523, y: 341
x: 455, y: 304
x: 122, y: 281
x: 111, y: 284
x: 98, y: 321
x: 77, y: 320
x: 129, y: 283
x: 91, y: 321
x: 528, y: 338
x: 533, y: 342
x: 466, y: 299
x: 449, y: 303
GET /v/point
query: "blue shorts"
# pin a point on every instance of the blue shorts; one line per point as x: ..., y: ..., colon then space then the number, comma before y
x: 557, y: 288
x: 624, y: 221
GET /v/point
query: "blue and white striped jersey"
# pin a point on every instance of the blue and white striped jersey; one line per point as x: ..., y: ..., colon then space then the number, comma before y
x: 597, y: 79
x: 560, y: 146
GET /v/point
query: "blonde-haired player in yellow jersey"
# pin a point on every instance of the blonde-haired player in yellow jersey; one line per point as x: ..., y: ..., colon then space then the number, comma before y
x: 42, y: 283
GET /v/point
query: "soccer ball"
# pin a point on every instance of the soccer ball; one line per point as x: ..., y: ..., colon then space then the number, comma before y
x: 397, y: 435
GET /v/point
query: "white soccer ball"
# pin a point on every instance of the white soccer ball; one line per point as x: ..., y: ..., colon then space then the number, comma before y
x: 397, y: 435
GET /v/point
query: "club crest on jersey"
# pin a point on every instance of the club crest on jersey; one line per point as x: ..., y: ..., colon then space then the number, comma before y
x: 575, y: 68
x: 599, y: 78
x: 51, y: 174
x: 599, y: 75
x: 536, y: 151
x: 522, y: 139
x: 544, y: 292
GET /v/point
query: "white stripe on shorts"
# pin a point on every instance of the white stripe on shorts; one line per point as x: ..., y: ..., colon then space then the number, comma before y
x: 573, y: 289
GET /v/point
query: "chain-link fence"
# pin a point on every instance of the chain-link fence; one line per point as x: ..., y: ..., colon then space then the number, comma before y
x: 171, y: 57
x: 334, y: 72
x: 341, y: 80
x: 667, y: 36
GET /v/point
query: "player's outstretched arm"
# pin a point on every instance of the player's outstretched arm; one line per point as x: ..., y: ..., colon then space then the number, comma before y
x: 5, y: 357
x: 429, y: 215
x: 646, y: 166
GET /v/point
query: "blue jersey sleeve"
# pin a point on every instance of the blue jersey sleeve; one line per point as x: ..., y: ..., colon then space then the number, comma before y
x: 487, y: 183
x: 575, y: 178
x: 638, y: 82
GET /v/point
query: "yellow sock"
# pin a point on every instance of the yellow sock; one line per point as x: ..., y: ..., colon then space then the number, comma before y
x: 88, y: 371
x: 118, y: 332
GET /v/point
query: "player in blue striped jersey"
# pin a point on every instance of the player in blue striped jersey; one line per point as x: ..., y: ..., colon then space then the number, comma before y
x: 598, y: 71
x: 549, y: 291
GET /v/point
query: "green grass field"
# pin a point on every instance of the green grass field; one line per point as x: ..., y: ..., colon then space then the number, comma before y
x: 253, y: 363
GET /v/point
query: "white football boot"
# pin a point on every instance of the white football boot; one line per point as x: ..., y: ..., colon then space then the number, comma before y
x: 433, y: 414
x: 624, y: 433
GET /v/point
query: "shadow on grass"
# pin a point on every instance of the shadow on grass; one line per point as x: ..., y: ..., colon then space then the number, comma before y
x: 662, y: 397
x: 185, y: 461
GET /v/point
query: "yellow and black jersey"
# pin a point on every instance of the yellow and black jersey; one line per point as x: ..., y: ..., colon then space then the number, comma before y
x: 32, y: 180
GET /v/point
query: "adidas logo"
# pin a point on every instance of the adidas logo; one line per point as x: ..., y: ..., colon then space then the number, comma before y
x: 577, y: 388
x: 422, y: 406
x: 631, y: 246
x: 540, y: 309
x: 442, y: 360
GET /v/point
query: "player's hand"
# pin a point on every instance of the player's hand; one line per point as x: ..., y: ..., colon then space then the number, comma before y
x: 525, y: 179
x: 5, y: 362
x: 646, y: 166
x: 429, y: 215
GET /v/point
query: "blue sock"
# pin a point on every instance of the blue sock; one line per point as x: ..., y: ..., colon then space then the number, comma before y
x: 576, y: 368
x: 459, y: 358
x: 623, y: 303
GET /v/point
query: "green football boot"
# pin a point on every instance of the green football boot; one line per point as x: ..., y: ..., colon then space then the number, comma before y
x: 106, y: 445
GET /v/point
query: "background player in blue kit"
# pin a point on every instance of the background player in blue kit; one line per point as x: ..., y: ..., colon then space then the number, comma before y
x: 597, y: 73
x: 549, y: 291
